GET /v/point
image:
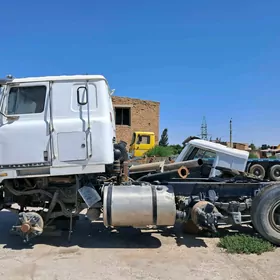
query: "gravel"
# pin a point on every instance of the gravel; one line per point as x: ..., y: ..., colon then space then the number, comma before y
x: 97, y: 253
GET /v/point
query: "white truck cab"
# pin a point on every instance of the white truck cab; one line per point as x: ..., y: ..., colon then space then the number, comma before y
x: 56, y: 125
x: 215, y: 154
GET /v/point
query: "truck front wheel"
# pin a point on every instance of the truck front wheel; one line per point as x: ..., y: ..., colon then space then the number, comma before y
x: 265, y: 213
x: 274, y: 173
x: 257, y: 170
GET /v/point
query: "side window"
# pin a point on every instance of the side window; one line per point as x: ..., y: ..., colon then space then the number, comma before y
x: 145, y: 139
x: 204, y: 154
x: 209, y: 155
x: 199, y: 154
x: 26, y: 100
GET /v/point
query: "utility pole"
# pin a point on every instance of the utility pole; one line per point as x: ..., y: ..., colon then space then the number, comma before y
x: 230, y: 133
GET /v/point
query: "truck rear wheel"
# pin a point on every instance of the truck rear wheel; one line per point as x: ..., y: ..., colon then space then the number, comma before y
x: 274, y: 173
x: 257, y: 170
x: 265, y: 213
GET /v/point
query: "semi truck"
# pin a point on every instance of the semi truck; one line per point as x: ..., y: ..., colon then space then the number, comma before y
x: 59, y: 157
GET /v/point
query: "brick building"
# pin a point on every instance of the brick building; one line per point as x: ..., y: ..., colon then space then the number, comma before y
x: 239, y: 146
x: 133, y: 114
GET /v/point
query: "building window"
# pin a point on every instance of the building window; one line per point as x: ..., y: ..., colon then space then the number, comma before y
x: 122, y: 116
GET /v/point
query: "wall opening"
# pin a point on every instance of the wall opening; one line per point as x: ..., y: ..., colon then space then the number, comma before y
x: 123, y: 116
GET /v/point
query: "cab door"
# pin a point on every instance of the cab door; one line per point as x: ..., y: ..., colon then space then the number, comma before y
x: 143, y: 144
x: 73, y: 121
x: 24, y: 140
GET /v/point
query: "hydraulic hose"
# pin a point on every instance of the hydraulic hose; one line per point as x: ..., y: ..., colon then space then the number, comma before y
x: 10, y: 188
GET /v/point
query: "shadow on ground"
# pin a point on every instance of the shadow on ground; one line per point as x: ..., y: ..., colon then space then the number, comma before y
x: 188, y: 240
x: 232, y: 230
x: 85, y: 235
x: 95, y: 235
x: 198, y: 239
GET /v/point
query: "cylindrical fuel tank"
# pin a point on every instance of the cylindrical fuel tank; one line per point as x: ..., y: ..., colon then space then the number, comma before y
x: 139, y: 205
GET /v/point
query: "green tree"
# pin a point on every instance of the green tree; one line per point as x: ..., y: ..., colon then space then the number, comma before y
x: 265, y: 147
x: 164, y: 138
x: 253, y: 155
x: 252, y: 146
x: 177, y: 149
x: 160, y: 151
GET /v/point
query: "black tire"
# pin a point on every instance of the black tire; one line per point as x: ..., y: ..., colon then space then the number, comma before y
x: 255, y: 202
x: 257, y: 170
x: 262, y: 216
x: 274, y: 173
x: 124, y: 154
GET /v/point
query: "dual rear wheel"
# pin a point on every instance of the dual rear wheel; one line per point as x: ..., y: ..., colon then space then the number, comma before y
x: 259, y: 171
x: 265, y: 213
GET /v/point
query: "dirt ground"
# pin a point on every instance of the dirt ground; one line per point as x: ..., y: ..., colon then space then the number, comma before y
x: 97, y: 253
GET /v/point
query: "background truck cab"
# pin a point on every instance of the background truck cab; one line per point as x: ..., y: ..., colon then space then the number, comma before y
x: 141, y: 142
x: 213, y: 155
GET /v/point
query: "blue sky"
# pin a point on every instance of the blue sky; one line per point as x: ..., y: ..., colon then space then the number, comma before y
x: 218, y: 59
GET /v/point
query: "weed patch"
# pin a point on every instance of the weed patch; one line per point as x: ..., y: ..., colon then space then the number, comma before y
x: 245, y: 244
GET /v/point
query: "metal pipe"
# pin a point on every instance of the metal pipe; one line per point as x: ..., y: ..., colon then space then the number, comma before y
x: 149, y: 167
x: 125, y: 171
x: 183, y: 172
x: 187, y: 164
x: 64, y: 210
x: 172, y: 174
x: 52, y: 205
x: 161, y: 167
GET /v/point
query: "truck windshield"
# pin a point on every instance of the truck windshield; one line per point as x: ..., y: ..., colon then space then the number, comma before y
x: 26, y: 100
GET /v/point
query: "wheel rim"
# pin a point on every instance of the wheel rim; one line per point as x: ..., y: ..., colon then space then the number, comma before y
x: 257, y: 172
x: 274, y: 216
x: 277, y: 173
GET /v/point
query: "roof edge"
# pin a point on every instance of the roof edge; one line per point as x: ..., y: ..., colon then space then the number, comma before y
x: 139, y: 99
x: 56, y: 78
